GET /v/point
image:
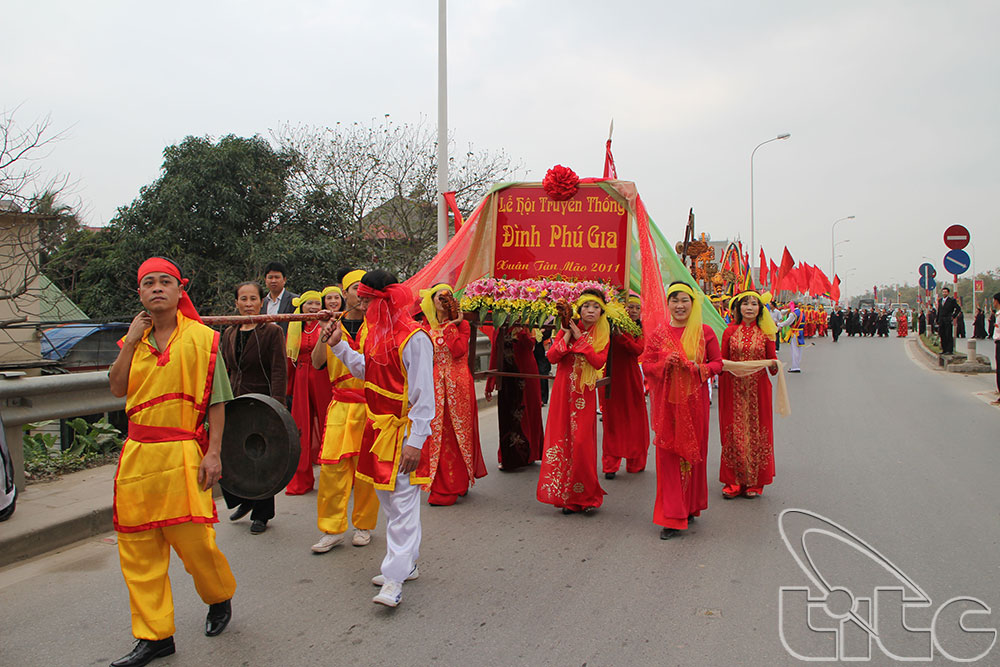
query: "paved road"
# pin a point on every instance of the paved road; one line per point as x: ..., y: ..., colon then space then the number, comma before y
x: 904, y: 457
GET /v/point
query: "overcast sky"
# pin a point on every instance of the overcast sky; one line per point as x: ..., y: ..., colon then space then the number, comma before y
x: 893, y: 107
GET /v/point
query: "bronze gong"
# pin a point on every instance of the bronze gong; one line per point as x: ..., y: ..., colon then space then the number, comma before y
x: 260, y: 447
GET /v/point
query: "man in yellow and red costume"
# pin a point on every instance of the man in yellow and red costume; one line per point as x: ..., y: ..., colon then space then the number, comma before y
x: 397, y: 364
x: 175, y: 383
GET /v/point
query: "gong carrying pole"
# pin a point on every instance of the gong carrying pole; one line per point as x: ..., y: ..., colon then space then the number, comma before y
x: 225, y: 320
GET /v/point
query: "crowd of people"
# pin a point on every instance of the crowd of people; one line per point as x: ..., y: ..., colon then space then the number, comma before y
x: 383, y: 398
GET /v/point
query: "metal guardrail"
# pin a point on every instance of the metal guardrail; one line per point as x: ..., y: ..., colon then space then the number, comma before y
x: 24, y: 400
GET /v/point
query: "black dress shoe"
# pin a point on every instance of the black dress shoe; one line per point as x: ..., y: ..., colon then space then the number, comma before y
x: 668, y: 533
x: 609, y: 475
x: 146, y: 651
x: 240, y: 512
x: 258, y: 526
x: 219, y: 615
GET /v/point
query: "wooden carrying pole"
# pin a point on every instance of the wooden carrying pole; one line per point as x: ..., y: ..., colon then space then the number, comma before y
x: 226, y: 320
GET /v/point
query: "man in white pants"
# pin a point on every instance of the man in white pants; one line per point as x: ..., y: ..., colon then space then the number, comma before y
x: 797, y: 340
x: 397, y: 366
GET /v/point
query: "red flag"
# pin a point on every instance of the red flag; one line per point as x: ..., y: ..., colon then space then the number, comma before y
x: 827, y: 285
x: 787, y: 265
x: 763, y: 269
x: 818, y: 284
x: 449, y: 198
x: 805, y: 278
x: 774, y: 276
x: 797, y: 280
x: 609, y: 162
x: 835, y: 289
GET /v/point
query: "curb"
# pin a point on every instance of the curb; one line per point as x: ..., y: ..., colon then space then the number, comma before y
x: 23, y: 542
x: 43, y: 539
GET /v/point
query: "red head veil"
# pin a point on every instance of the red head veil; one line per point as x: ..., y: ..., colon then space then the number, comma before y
x: 388, y: 314
x: 161, y: 265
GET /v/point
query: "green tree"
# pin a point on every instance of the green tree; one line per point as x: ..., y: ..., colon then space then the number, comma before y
x: 60, y: 220
x: 211, y: 207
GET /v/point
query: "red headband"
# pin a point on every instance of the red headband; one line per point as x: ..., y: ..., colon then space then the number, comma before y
x: 160, y: 265
x: 371, y: 293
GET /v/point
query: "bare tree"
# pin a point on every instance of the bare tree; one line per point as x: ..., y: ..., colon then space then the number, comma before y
x: 31, y: 220
x: 21, y: 150
x: 385, y: 174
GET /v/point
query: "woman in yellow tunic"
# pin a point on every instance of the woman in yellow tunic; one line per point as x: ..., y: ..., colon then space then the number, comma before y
x: 173, y: 377
x: 345, y: 425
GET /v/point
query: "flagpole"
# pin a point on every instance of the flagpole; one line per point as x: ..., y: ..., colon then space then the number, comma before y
x: 442, y: 147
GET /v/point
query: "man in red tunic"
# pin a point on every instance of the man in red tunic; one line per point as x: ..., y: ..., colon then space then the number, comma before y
x: 626, y: 422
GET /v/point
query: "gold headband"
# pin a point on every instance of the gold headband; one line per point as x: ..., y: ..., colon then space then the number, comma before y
x: 680, y: 287
x: 585, y: 298
x: 352, y: 278
x: 764, y: 298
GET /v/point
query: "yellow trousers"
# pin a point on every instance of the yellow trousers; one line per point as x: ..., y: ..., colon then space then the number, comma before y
x: 335, y: 484
x: 145, y: 558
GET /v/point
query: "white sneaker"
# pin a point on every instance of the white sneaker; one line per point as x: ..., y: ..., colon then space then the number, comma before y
x: 379, y: 580
x: 327, y: 542
x: 390, y: 595
x: 362, y: 538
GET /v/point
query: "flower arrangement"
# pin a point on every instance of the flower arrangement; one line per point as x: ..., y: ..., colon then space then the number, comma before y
x: 532, y: 302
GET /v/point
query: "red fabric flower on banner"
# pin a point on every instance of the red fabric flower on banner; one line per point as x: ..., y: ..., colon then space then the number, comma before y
x: 560, y: 182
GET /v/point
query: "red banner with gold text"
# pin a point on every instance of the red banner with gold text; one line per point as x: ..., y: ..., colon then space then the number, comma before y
x: 582, y: 238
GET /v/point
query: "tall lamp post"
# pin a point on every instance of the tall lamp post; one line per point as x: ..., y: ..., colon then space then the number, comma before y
x: 442, y: 147
x: 833, y: 259
x: 752, y: 247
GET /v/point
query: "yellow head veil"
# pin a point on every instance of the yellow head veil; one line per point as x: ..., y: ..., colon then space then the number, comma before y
x: 600, y: 336
x: 427, y: 303
x: 693, y: 338
x: 767, y: 324
x: 294, y: 340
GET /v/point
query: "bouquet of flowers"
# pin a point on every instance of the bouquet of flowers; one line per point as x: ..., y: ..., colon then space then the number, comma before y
x: 532, y: 302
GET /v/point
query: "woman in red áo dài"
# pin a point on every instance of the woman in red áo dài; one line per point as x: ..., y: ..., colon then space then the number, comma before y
x: 568, y: 477
x: 745, y: 414
x: 311, y: 391
x: 623, y: 408
x: 678, y: 361
x: 456, y: 460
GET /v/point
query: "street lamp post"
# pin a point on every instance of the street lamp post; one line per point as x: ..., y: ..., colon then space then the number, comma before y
x: 833, y: 260
x: 752, y: 246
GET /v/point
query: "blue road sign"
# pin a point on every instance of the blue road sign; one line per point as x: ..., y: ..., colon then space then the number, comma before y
x: 957, y: 262
x: 927, y: 269
x: 927, y: 282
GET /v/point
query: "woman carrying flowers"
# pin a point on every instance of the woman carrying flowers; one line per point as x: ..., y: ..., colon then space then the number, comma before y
x: 568, y: 478
x: 456, y: 459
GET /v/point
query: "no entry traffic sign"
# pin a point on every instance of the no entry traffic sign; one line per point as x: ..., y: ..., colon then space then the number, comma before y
x: 956, y: 262
x: 956, y: 237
